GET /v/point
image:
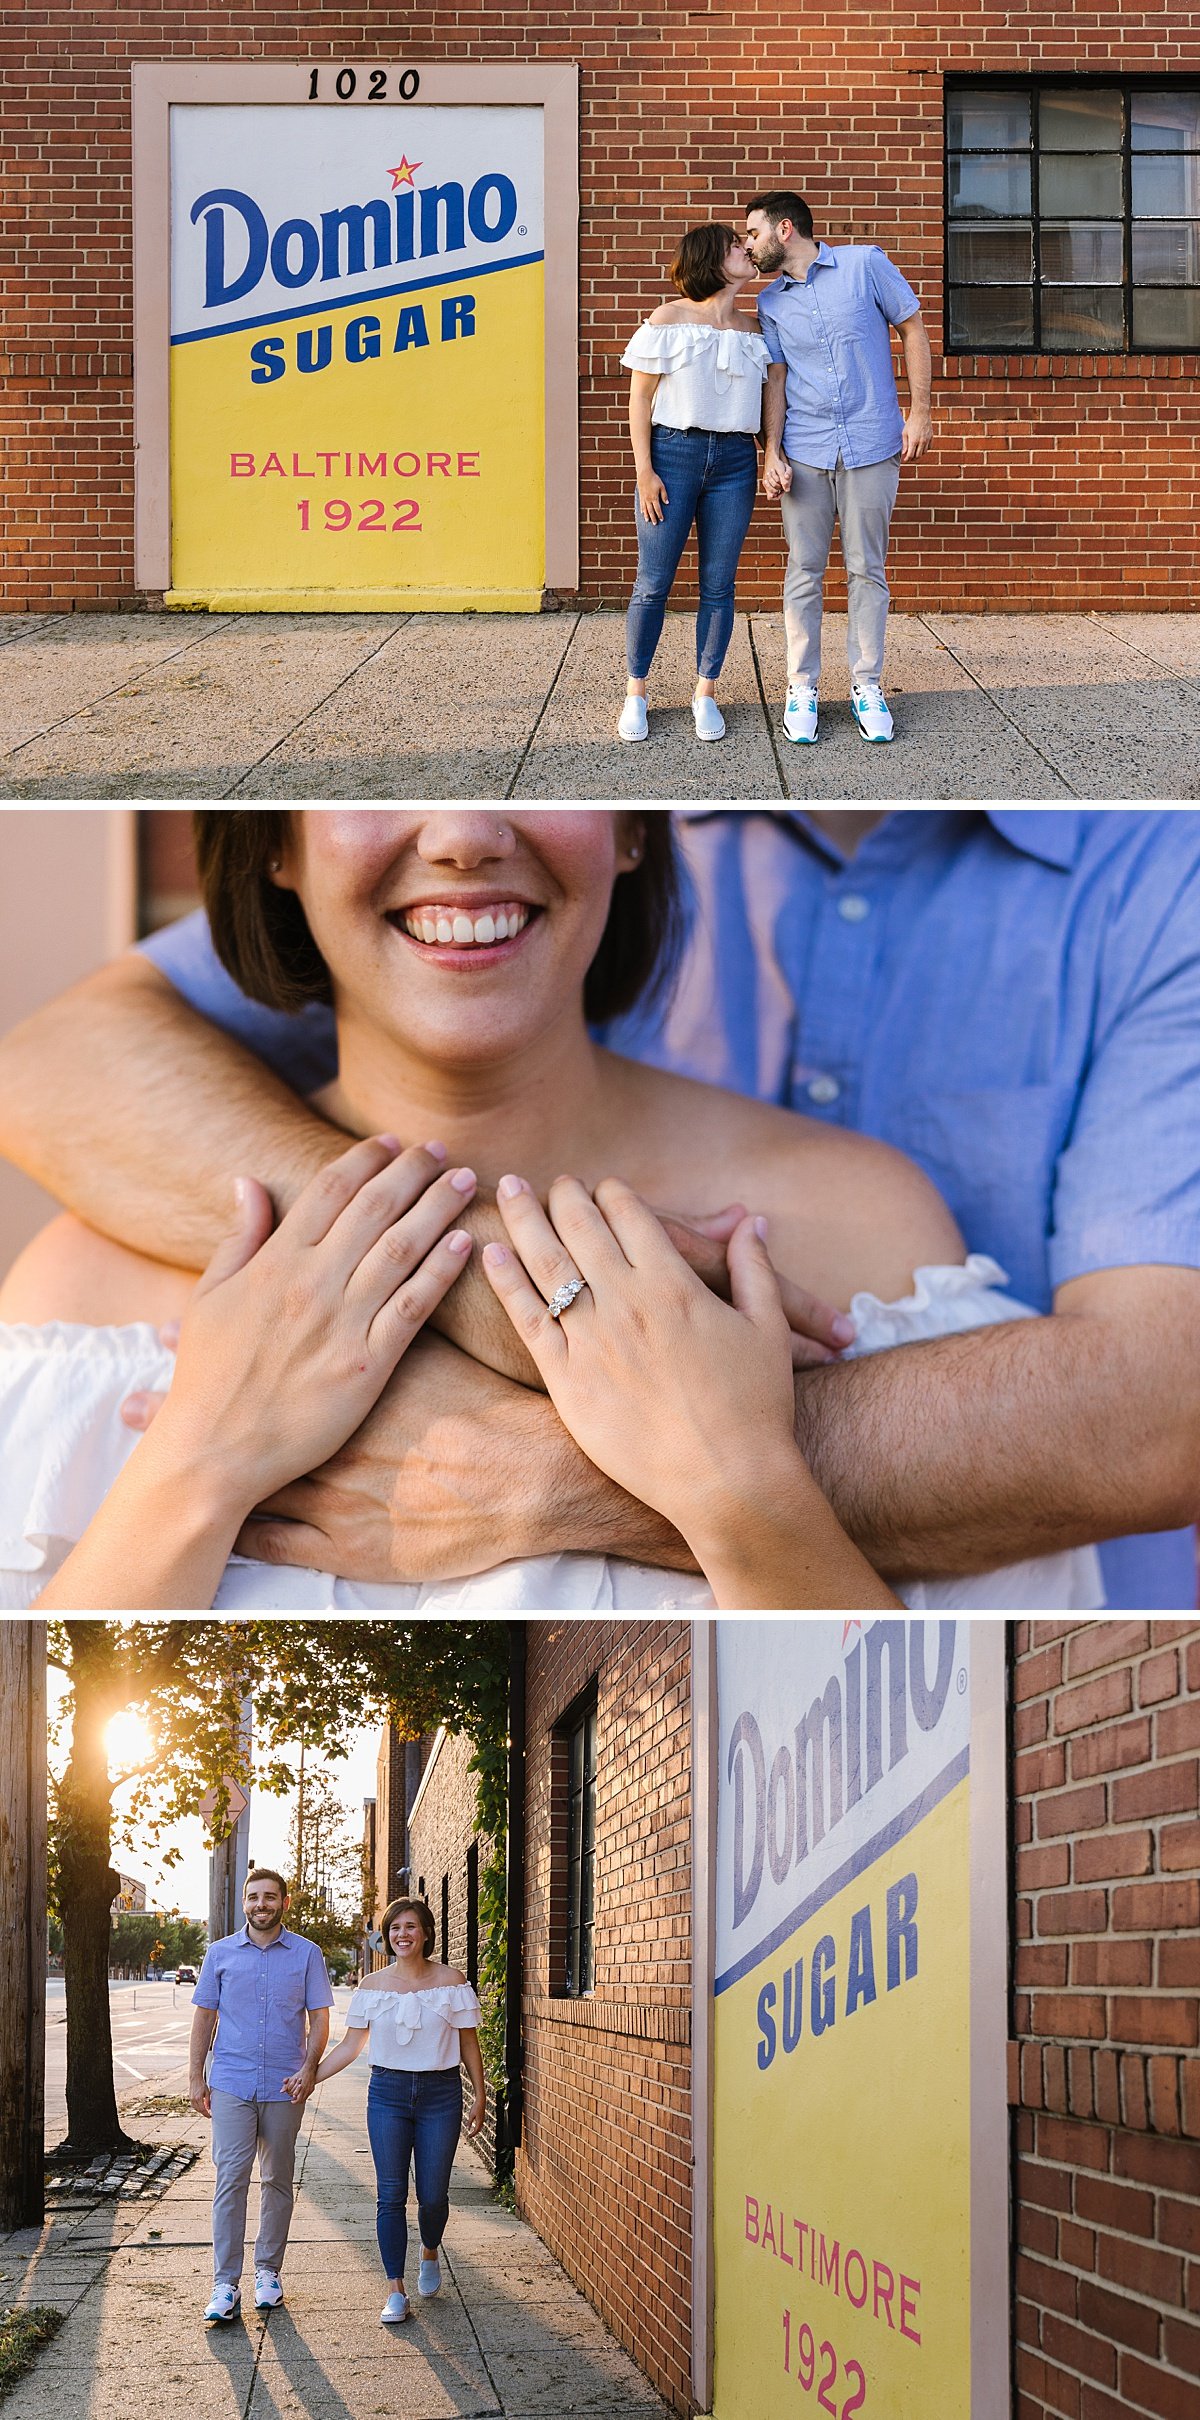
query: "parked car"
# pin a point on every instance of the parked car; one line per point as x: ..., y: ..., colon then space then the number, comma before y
x: 185, y: 1974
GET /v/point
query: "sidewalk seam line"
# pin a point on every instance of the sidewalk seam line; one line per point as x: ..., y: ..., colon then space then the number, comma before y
x: 784, y: 792
x: 17, y: 638
x: 1097, y: 617
x: 1002, y: 711
x: 543, y: 709
x: 319, y: 704
x: 105, y: 694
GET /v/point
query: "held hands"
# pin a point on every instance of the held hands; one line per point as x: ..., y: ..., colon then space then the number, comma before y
x: 298, y: 2087
x: 777, y: 472
x: 290, y: 1337
x: 678, y: 1397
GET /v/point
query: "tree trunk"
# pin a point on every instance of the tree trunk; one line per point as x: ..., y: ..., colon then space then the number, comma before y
x: 22, y: 1922
x: 87, y: 1888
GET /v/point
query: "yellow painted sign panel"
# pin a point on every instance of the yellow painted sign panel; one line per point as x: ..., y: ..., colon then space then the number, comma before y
x: 842, y: 2120
x: 357, y: 357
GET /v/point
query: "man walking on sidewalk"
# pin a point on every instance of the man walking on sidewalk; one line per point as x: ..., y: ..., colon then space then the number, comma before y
x: 835, y: 437
x: 265, y: 1994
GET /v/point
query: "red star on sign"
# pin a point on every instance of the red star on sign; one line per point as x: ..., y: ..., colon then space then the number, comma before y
x: 847, y: 1627
x: 404, y: 174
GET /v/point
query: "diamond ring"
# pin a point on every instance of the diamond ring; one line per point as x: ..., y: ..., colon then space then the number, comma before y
x: 564, y: 1298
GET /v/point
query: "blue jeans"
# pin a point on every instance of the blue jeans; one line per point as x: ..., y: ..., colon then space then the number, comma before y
x: 710, y: 479
x: 410, y: 2112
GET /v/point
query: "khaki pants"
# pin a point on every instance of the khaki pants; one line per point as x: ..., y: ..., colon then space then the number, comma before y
x: 861, y: 502
x: 239, y: 2129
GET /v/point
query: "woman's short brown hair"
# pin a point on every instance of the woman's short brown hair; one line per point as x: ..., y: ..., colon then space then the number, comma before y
x: 409, y: 1907
x: 698, y: 269
x: 261, y: 936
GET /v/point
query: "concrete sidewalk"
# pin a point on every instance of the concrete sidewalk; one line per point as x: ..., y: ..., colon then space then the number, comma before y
x: 508, y: 2336
x: 370, y: 706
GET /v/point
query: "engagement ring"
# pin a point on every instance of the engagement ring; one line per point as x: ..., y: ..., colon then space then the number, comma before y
x: 564, y: 1298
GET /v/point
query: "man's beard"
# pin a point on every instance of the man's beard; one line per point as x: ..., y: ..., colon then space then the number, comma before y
x: 265, y: 1921
x: 771, y: 254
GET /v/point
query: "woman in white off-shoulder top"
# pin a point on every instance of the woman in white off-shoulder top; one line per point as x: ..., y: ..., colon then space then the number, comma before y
x: 679, y: 1392
x: 421, y: 2019
x: 695, y: 403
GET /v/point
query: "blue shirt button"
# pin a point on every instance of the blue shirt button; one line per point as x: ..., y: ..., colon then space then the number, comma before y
x: 823, y: 1089
x: 853, y: 908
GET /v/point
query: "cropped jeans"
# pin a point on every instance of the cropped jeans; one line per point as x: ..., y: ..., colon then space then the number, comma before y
x: 710, y: 477
x: 412, y: 2115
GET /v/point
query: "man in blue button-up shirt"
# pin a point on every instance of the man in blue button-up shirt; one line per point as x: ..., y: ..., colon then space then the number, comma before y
x: 1011, y: 996
x: 264, y: 1993
x: 835, y: 438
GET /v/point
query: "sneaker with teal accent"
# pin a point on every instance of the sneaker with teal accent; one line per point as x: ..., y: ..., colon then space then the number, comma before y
x: 871, y: 711
x: 226, y: 2304
x: 800, y: 712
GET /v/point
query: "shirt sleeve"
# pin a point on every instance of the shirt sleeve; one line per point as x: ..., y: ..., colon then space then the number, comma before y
x: 358, y: 2015
x: 893, y: 293
x: 207, y: 1993
x: 301, y: 1048
x: 317, y: 1990
x: 1127, y: 1184
x: 769, y: 332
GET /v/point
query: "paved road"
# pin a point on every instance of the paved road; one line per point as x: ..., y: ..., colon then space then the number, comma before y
x: 293, y: 706
x: 150, y: 2024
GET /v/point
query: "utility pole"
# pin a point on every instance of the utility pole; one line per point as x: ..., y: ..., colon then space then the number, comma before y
x: 230, y: 1858
x: 22, y: 1922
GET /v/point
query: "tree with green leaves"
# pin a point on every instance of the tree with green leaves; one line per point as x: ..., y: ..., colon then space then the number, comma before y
x: 320, y: 1682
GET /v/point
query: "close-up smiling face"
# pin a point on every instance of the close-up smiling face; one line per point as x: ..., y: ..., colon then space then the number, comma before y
x: 463, y: 935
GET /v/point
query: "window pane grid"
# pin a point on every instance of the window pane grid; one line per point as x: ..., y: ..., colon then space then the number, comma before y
x: 581, y: 1856
x: 1072, y: 217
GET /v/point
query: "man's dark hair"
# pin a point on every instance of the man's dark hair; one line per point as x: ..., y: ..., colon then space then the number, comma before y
x: 775, y: 206
x: 698, y: 269
x: 261, y: 936
x: 409, y: 1907
x: 264, y: 1873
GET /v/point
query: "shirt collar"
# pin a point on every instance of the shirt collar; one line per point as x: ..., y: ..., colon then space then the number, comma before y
x: 1054, y: 834
x: 825, y: 260
x: 243, y: 1934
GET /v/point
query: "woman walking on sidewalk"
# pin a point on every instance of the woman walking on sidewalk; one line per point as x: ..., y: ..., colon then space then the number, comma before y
x: 421, y: 2018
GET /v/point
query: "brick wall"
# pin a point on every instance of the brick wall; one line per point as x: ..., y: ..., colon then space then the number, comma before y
x: 1107, y: 2020
x: 604, y: 2171
x: 1056, y: 481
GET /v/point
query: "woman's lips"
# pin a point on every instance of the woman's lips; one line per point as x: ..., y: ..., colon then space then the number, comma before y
x: 452, y: 935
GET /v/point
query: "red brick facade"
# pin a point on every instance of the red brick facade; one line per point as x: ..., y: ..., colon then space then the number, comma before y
x: 1106, y: 1804
x: 1057, y: 481
x: 604, y: 2170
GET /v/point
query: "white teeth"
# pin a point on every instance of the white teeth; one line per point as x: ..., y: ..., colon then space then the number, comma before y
x: 450, y: 925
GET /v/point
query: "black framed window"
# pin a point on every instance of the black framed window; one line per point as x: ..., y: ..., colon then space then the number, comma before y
x: 473, y: 1914
x: 1072, y: 215
x: 580, y: 1743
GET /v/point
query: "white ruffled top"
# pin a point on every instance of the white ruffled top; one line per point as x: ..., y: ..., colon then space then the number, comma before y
x: 708, y: 378
x: 417, y: 2030
x: 63, y: 1442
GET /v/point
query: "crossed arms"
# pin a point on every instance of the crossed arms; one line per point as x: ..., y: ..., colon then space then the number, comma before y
x: 948, y: 1457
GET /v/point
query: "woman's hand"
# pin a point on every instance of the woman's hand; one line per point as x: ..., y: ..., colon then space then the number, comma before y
x: 685, y: 1401
x: 670, y: 1391
x: 290, y: 1337
x: 652, y: 495
x: 473, y: 2121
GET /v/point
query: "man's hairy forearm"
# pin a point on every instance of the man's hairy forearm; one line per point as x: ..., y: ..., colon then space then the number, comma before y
x: 156, y: 1111
x: 969, y: 1452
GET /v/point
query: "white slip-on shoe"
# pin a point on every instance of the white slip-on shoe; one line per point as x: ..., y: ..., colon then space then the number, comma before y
x: 800, y: 711
x: 226, y: 2303
x: 871, y: 711
x: 429, y: 2281
x: 395, y: 2308
x: 633, y: 724
x: 708, y: 718
x: 268, y: 2290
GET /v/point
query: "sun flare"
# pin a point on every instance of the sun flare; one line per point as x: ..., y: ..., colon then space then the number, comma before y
x: 129, y: 1741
